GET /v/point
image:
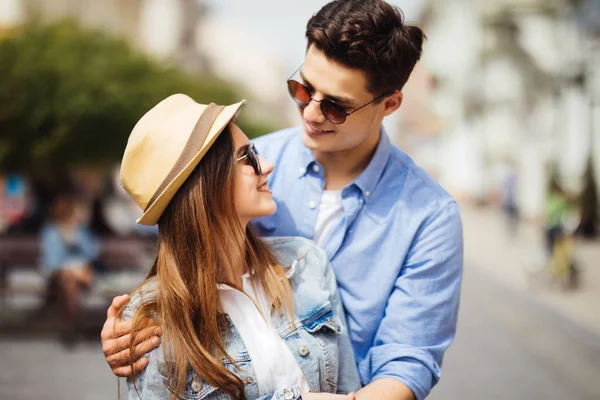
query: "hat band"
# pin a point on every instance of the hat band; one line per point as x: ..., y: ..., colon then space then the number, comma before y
x: 194, y: 143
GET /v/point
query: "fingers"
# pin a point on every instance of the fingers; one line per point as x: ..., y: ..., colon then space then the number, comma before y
x: 114, y: 346
x: 117, y: 303
x: 125, y: 372
x: 124, y: 357
x: 122, y: 328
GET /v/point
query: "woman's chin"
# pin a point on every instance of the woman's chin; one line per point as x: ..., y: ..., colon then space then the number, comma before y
x: 264, y: 210
x: 270, y: 209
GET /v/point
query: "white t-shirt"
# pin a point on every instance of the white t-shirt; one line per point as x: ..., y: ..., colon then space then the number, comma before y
x: 331, y: 212
x: 272, y: 361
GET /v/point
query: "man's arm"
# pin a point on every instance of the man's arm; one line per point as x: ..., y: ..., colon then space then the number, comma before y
x: 385, y: 389
x: 420, y: 317
x: 116, y: 338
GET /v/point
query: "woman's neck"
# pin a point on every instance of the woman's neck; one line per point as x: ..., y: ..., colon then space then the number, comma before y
x: 236, y: 259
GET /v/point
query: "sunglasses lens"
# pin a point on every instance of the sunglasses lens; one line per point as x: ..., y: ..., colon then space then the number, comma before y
x: 299, y: 93
x: 333, y: 112
x: 254, y: 161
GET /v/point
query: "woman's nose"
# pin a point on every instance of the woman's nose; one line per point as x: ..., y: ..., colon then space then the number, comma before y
x: 266, y: 166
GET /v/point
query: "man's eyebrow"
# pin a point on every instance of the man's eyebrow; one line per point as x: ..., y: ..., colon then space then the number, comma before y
x: 337, y: 99
x: 240, y: 151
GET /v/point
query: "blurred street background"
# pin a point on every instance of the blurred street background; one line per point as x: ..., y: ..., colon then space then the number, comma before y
x: 503, y: 109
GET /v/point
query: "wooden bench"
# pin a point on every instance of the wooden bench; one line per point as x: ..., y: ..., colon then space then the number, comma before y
x: 18, y: 253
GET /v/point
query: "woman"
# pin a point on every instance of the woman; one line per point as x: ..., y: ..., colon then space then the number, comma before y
x: 241, y: 317
x: 69, y: 254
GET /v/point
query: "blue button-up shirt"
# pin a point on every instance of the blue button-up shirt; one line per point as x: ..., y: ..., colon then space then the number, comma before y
x: 397, y: 254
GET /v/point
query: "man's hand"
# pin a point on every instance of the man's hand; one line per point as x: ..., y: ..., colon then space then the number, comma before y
x: 116, y: 339
x: 328, y: 396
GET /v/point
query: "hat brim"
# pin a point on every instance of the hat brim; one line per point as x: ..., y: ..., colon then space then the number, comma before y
x: 153, y: 213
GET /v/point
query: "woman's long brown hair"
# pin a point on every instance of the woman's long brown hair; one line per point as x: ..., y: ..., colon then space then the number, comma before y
x: 197, y: 236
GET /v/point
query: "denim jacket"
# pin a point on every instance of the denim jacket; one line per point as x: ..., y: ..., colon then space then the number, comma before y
x: 319, y: 340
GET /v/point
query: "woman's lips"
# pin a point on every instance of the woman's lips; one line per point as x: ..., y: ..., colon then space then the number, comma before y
x: 264, y: 188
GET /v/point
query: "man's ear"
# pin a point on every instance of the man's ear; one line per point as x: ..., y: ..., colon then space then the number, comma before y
x: 392, y: 103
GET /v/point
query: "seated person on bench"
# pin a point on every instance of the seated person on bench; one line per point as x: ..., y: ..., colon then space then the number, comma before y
x: 69, y: 257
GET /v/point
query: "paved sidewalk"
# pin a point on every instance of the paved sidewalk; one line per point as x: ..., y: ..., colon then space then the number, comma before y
x: 492, y: 249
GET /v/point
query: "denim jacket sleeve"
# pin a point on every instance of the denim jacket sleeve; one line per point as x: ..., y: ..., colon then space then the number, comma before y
x: 149, y: 383
x: 348, y: 378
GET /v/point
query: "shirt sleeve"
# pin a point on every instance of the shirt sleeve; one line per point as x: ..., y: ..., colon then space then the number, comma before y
x: 421, y: 314
x: 53, y: 250
x: 90, y: 245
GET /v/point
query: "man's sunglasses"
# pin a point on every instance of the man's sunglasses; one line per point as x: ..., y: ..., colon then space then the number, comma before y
x: 251, y: 154
x: 330, y: 109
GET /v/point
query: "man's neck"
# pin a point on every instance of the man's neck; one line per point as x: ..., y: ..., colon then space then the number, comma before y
x: 342, y: 167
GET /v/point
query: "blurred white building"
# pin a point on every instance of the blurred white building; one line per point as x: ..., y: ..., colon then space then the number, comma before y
x: 512, y: 87
x: 238, y: 56
x: 164, y: 28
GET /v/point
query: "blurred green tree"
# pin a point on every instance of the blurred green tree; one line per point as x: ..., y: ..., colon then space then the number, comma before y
x: 70, y: 96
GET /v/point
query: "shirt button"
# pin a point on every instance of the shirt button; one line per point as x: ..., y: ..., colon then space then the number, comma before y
x: 288, y: 395
x: 367, y: 193
x: 196, y: 386
x: 316, y: 168
x: 312, y: 205
x: 248, y: 380
x: 303, y: 350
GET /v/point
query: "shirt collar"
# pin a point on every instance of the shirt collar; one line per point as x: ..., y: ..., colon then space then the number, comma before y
x: 367, y: 181
x: 307, y: 158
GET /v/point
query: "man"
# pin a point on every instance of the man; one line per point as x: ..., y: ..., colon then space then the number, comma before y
x: 393, y: 235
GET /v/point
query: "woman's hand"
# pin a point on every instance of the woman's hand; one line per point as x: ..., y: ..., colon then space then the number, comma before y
x: 328, y: 396
x: 116, y: 338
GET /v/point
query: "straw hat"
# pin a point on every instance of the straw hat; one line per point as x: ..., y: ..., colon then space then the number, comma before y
x: 164, y: 148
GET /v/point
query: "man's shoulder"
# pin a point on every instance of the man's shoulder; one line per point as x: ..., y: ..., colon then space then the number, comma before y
x: 417, y: 188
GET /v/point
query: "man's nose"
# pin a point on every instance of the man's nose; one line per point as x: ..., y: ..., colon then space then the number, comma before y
x: 312, y: 112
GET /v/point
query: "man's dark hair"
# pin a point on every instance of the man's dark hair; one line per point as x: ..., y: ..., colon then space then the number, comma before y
x: 369, y: 35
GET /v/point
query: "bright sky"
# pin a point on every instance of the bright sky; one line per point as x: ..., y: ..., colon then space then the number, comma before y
x: 280, y: 24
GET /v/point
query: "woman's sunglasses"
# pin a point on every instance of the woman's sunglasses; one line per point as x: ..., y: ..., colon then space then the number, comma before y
x: 251, y: 154
x: 330, y: 109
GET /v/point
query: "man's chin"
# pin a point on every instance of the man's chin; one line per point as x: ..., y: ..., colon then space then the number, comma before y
x: 316, y: 143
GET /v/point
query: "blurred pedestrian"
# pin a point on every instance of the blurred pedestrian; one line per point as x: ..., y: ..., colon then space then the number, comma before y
x: 68, y: 258
x: 510, y: 201
x: 561, y: 219
x: 555, y: 209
